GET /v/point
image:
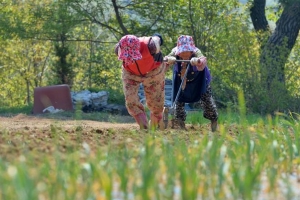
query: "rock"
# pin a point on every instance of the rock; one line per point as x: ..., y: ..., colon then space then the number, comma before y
x: 89, y: 101
x: 97, y: 102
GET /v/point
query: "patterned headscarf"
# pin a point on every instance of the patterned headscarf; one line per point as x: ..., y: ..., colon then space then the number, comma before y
x: 185, y: 43
x: 129, y: 47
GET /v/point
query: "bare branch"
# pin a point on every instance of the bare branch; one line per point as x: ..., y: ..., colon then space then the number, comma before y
x: 95, y: 20
x: 118, y: 16
x: 155, y: 21
x: 67, y: 40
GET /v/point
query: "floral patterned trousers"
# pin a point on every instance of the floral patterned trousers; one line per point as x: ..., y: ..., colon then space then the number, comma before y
x: 154, y: 89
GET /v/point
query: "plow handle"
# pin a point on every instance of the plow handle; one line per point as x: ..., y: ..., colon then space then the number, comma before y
x: 178, y: 61
x: 178, y: 93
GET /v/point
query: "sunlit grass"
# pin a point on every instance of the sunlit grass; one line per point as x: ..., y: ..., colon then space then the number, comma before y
x: 8, y: 111
x: 250, y: 157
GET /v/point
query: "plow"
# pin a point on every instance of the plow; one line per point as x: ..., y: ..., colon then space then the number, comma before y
x: 169, y: 111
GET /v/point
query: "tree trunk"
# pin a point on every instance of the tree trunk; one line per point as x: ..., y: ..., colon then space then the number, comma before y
x: 280, y: 44
x: 258, y: 16
x: 275, y: 50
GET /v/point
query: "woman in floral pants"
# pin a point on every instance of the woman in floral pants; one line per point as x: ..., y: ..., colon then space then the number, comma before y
x: 143, y: 64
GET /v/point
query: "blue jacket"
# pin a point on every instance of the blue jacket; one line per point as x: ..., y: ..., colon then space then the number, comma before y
x: 196, y: 83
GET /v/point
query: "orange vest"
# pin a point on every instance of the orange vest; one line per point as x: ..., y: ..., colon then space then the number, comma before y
x: 146, y: 64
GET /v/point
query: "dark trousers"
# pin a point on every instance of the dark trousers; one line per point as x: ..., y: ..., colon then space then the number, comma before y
x: 206, y: 102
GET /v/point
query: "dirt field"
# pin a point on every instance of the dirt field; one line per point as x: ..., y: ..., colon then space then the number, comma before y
x: 40, y: 135
x: 35, y: 124
x: 23, y: 122
x: 21, y: 133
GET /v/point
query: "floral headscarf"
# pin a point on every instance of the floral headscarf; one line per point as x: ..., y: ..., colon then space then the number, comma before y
x: 185, y: 43
x: 129, y: 47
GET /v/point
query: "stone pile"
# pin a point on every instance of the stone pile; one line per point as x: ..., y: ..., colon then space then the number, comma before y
x: 89, y: 100
x: 96, y: 102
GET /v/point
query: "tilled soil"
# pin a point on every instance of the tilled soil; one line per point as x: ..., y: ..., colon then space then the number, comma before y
x: 24, y: 133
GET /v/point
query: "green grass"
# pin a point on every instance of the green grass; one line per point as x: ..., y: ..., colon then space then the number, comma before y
x: 248, y: 154
x: 75, y: 115
x: 9, y: 111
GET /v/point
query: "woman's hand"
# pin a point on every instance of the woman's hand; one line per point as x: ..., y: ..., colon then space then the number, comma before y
x: 200, y: 63
x: 170, y: 60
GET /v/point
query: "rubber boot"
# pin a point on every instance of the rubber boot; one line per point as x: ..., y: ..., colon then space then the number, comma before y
x: 142, y: 121
x: 178, y: 124
x: 155, y: 123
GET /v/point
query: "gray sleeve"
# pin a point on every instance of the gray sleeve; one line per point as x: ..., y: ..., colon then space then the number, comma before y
x: 198, y: 53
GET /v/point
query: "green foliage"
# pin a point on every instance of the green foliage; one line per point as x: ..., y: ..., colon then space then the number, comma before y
x: 292, y: 68
x: 63, y: 69
x: 106, y: 72
x: 49, y: 42
x: 7, y: 111
x: 116, y: 96
x: 23, y: 66
x: 60, y: 27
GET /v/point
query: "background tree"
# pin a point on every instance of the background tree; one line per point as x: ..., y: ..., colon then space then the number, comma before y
x: 275, y: 49
x: 72, y: 41
x: 58, y: 21
x: 24, y: 61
